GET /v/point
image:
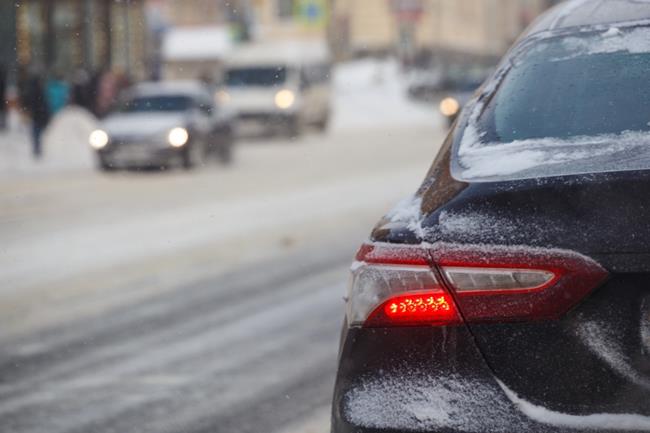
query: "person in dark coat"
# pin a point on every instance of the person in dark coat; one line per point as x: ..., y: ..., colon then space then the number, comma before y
x: 37, y: 107
x: 4, y: 103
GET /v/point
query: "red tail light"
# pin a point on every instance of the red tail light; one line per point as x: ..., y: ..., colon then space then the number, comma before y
x: 395, y: 285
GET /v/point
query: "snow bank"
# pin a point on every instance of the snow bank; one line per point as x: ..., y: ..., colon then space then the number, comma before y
x: 371, y: 93
x: 65, y: 145
x: 65, y: 141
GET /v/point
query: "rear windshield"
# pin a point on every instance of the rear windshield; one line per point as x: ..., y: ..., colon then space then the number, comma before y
x: 146, y: 104
x: 569, y: 105
x: 267, y: 76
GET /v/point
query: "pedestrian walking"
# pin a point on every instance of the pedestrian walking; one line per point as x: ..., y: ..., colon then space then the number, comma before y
x: 106, y: 92
x: 4, y: 103
x: 57, y: 93
x: 37, y: 107
x: 80, y: 94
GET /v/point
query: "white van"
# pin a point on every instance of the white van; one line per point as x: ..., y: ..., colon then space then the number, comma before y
x: 279, y: 86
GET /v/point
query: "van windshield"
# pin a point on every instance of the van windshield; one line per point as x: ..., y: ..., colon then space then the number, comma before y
x: 260, y: 76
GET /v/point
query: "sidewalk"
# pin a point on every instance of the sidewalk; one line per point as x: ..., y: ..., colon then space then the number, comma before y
x: 65, y: 145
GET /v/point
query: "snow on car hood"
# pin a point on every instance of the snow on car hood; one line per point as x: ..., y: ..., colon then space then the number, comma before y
x: 142, y: 124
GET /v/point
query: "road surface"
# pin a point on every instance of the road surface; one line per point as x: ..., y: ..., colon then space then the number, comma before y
x: 207, y: 301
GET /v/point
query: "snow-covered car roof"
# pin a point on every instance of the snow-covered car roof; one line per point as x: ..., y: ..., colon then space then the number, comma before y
x: 585, y: 13
x: 281, y: 52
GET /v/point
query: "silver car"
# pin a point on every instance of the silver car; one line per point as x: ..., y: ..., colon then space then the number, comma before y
x: 162, y: 124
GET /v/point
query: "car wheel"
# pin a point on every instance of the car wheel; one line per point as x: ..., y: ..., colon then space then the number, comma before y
x: 104, y: 165
x: 224, y: 152
x: 192, y: 156
x: 323, y: 124
x: 293, y: 128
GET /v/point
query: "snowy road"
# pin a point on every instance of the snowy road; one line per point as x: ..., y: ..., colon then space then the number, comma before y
x: 191, y: 302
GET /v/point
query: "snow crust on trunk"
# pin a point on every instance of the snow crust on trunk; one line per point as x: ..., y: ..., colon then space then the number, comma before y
x: 419, y: 401
x: 597, y: 421
x: 409, y: 212
x: 602, y: 342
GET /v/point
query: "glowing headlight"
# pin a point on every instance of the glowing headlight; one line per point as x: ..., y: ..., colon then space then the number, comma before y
x: 222, y: 97
x: 98, y: 139
x: 284, y: 99
x: 449, y: 107
x: 177, y: 137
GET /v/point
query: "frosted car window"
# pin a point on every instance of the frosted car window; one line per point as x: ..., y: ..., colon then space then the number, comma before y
x: 589, y: 95
x: 569, y: 105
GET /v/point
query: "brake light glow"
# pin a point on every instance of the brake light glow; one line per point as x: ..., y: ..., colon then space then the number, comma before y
x: 386, y: 294
x: 444, y: 284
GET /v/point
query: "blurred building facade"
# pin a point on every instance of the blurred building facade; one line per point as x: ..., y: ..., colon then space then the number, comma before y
x: 191, y: 12
x: 476, y: 30
x: 191, y: 37
x: 206, y: 22
x: 289, y: 19
x: 63, y: 36
x: 250, y: 19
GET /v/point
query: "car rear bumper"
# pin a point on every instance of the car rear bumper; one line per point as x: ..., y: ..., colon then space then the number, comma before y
x: 435, y: 380
x: 266, y: 118
x: 135, y: 155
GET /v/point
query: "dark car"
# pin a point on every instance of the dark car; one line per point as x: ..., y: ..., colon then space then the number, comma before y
x: 511, y: 293
x: 452, y: 79
x: 162, y: 123
x: 458, y: 95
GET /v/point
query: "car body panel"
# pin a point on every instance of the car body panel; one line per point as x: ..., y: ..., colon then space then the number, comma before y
x: 587, y: 370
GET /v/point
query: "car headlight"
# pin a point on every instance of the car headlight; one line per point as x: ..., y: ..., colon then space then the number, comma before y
x: 98, y: 139
x: 222, y: 97
x: 449, y: 107
x: 284, y: 99
x: 178, y: 137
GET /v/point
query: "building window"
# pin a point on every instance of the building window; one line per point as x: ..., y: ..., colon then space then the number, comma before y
x: 285, y: 8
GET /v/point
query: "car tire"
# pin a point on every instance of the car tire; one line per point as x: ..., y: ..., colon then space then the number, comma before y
x: 323, y: 124
x: 293, y: 128
x: 191, y: 157
x: 224, y: 152
x: 104, y: 165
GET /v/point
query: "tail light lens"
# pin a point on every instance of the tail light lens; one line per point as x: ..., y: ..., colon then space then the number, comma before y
x: 393, y: 285
x: 386, y: 295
